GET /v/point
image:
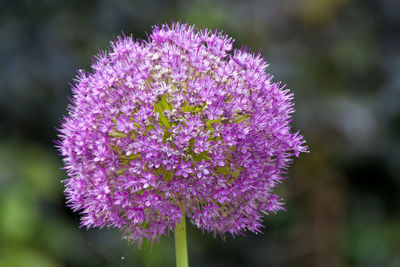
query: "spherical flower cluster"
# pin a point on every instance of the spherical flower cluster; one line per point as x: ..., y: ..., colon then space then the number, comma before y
x: 176, y: 125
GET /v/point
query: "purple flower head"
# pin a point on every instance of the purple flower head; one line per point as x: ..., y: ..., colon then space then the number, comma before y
x: 177, y: 123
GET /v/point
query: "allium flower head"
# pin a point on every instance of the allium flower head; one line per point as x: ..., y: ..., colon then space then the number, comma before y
x: 177, y: 123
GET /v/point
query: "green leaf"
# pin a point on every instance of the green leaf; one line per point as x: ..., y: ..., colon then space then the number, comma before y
x: 242, y: 118
x: 116, y: 133
x: 159, y: 107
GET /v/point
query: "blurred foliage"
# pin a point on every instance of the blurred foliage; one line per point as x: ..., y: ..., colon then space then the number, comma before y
x: 340, y: 57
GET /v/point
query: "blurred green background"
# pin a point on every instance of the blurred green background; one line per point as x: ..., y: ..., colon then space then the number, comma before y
x: 341, y: 58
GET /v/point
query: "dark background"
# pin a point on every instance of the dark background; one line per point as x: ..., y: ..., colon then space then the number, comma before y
x: 341, y: 58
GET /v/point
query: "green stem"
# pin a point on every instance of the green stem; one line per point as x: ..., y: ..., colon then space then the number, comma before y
x: 180, y: 243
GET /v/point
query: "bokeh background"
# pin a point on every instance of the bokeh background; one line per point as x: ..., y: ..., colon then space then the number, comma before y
x: 341, y: 58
